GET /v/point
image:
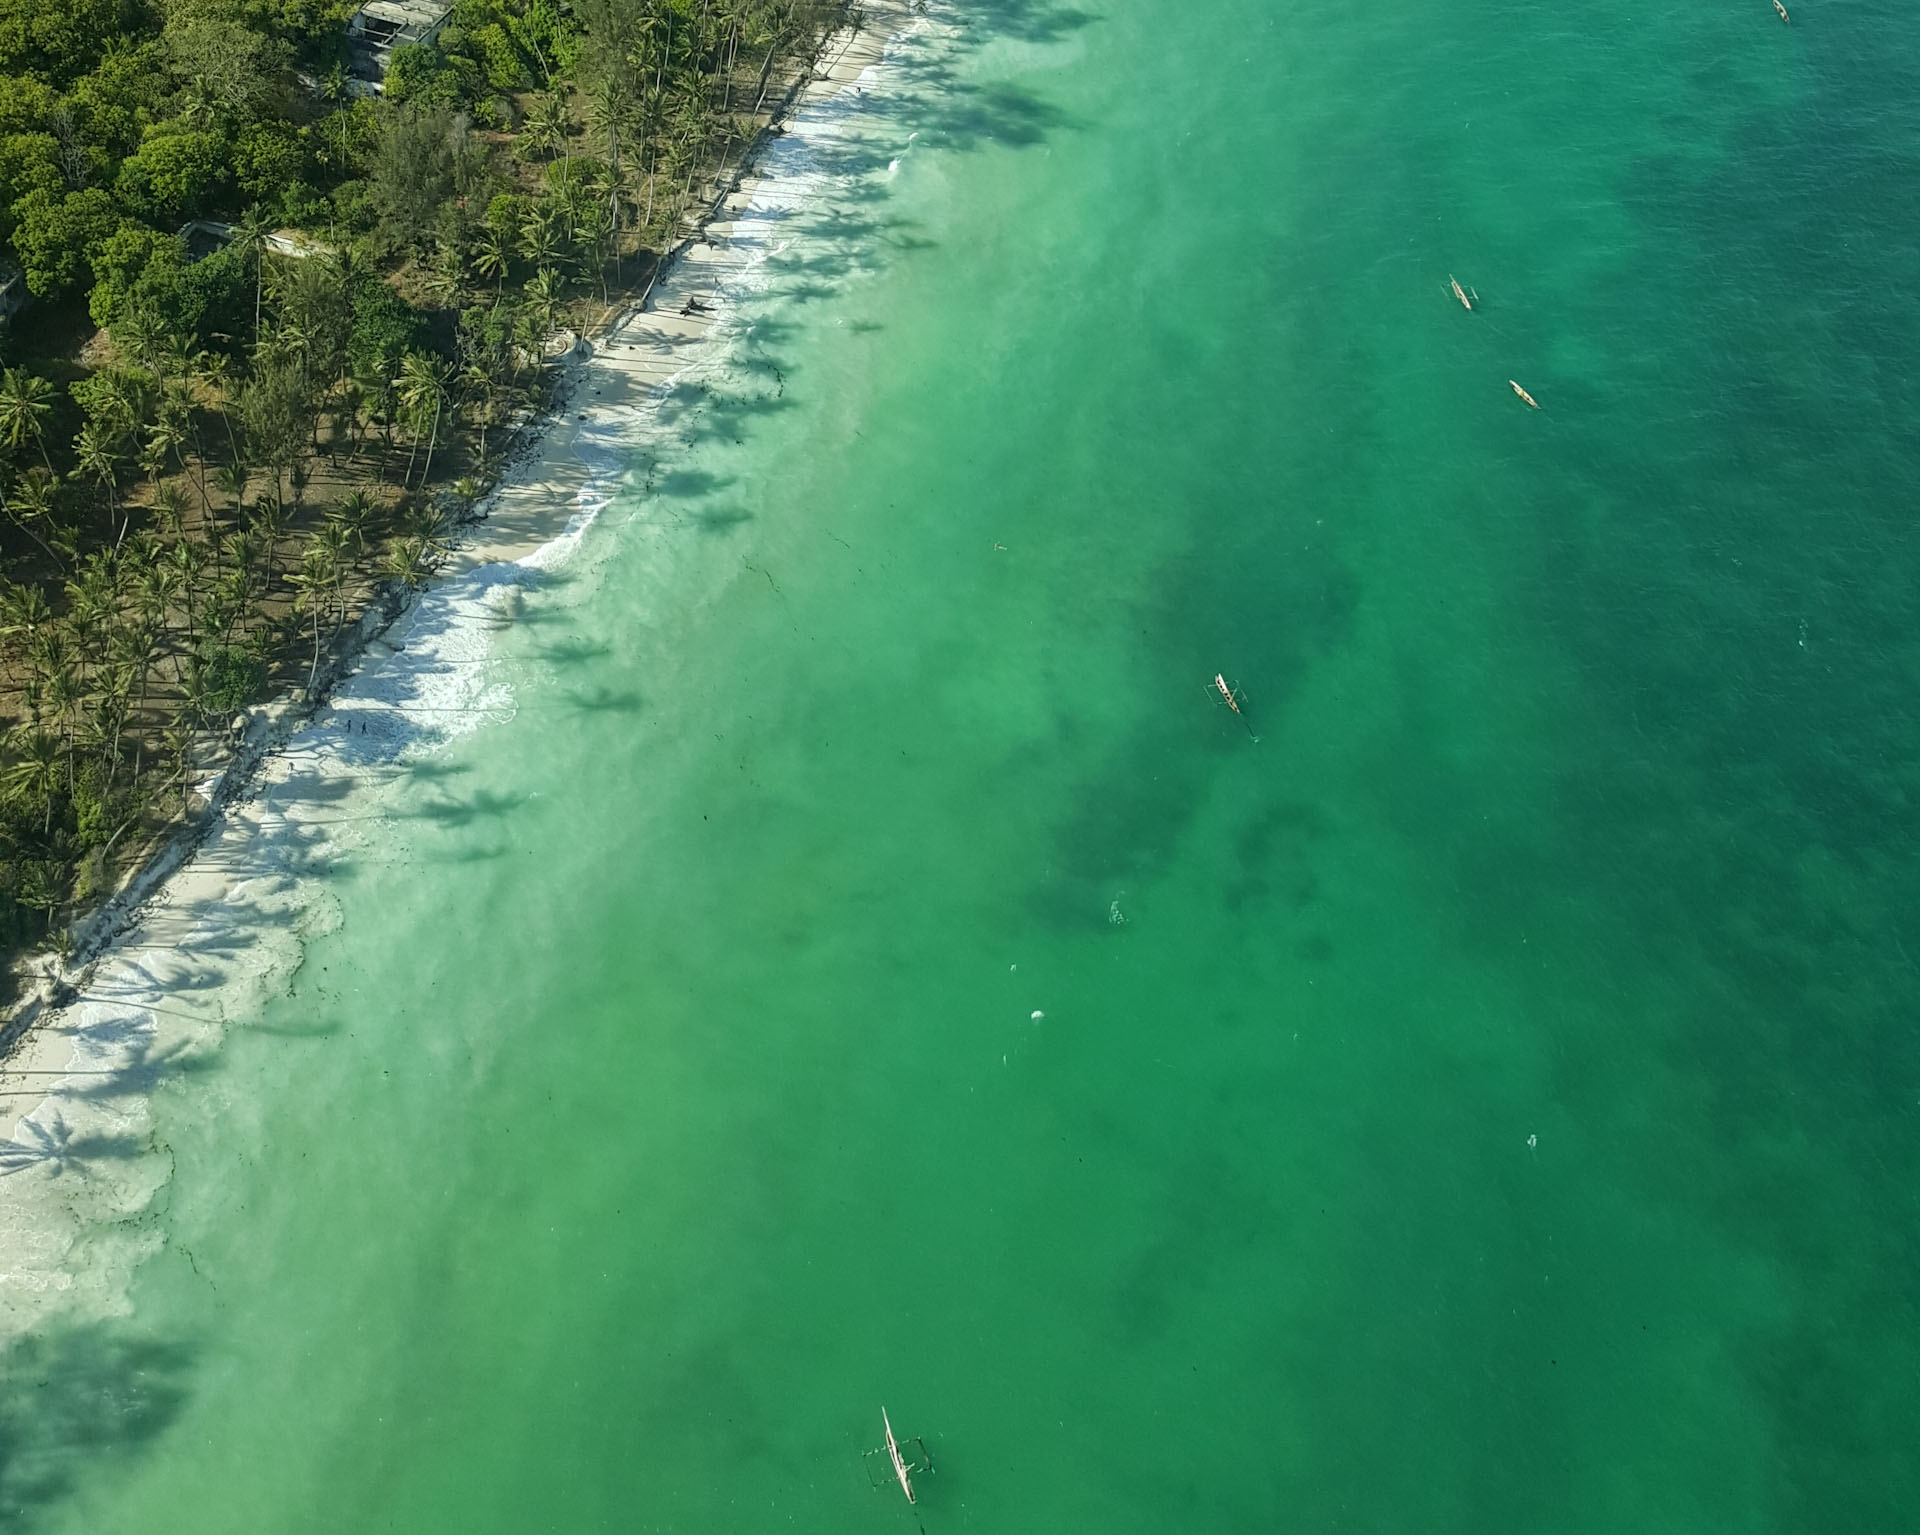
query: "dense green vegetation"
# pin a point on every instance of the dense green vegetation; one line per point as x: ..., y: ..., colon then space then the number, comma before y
x: 216, y: 443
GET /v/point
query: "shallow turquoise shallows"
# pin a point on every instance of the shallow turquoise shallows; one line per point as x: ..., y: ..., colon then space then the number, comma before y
x: 1477, y: 1090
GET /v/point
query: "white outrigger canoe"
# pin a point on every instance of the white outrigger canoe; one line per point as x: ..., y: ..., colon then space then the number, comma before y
x: 899, y: 1461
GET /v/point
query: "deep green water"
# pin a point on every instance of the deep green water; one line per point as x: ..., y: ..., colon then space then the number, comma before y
x: 1497, y: 1110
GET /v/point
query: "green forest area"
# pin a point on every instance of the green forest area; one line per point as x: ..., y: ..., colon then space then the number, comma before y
x: 276, y: 323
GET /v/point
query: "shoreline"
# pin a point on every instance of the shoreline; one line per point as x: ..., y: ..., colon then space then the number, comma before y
x: 221, y: 901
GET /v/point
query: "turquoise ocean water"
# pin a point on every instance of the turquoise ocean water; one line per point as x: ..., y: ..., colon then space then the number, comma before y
x: 866, y: 969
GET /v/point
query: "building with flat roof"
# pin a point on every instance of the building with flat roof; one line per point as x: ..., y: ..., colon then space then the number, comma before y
x: 379, y: 27
x: 203, y: 237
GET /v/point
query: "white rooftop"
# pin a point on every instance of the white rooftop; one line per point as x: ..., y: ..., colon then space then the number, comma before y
x: 406, y: 13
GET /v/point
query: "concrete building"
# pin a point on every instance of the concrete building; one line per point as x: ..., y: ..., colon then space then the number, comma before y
x: 381, y: 26
x: 205, y: 236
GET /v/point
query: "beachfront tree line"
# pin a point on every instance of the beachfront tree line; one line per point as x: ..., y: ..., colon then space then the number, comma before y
x: 217, y: 442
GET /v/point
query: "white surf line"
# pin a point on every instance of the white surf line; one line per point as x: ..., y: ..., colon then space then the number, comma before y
x: 79, y: 1168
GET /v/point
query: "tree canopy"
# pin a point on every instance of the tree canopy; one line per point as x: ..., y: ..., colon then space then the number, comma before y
x: 319, y: 311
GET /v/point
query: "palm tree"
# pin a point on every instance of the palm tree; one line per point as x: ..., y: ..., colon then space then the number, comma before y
x: 529, y: 338
x: 31, y: 503
x: 772, y: 36
x: 316, y: 580
x: 353, y: 512
x: 131, y: 648
x: 35, y: 771
x: 23, y: 610
x: 250, y: 239
x: 98, y: 460
x: 92, y: 600
x: 348, y: 271
x: 411, y: 558
x: 121, y: 404
x: 333, y: 536
x: 166, y: 437
x: 295, y: 338
x: 25, y: 404
x: 610, y: 113
x: 179, y: 739
x: 736, y: 14
x: 548, y: 124
x: 606, y: 184
x: 540, y: 234
x: 334, y: 90
x: 446, y: 279
x: 23, y: 615
x: 569, y: 192
x: 202, y: 102
x: 592, y: 233
x: 215, y: 370
x: 171, y: 503
x: 423, y: 385
x: 543, y: 297
x: 145, y: 340
x: 153, y: 600
x: 269, y: 525
x: 375, y: 377
x: 482, y: 390
x: 232, y: 480
x: 179, y: 350
x: 492, y: 259
x: 188, y: 559
x: 46, y: 654
x: 237, y: 585
x: 66, y: 700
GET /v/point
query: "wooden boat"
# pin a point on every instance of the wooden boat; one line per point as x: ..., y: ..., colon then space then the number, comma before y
x: 1224, y: 692
x: 903, y: 1462
x: 899, y: 1462
x: 1783, y: 12
x: 1460, y: 292
x: 1523, y: 394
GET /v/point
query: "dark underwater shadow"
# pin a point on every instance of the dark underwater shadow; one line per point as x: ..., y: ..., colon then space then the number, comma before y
x: 470, y: 855
x: 604, y: 700
x: 73, y: 1396
x: 1269, y: 621
x: 1722, y: 844
x: 1031, y: 21
x: 483, y: 805
x: 432, y: 770
x: 722, y: 519
x: 574, y: 652
x: 687, y: 484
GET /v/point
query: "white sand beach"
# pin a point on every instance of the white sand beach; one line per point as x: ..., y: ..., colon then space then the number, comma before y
x: 202, y: 931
